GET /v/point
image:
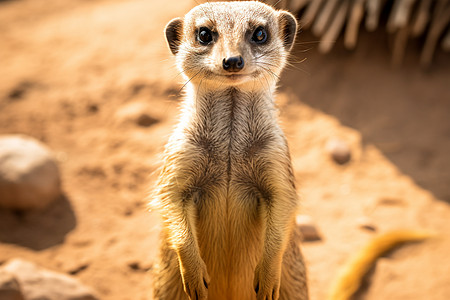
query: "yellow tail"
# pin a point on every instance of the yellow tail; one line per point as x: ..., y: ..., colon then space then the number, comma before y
x: 350, y: 278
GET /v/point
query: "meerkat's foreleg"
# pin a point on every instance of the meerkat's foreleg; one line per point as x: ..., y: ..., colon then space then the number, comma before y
x: 180, y: 214
x: 278, y: 219
x: 193, y: 269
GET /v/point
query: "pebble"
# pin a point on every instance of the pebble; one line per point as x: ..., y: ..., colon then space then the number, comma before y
x: 307, y: 228
x: 145, y: 120
x: 29, y: 174
x: 339, y: 150
x: 137, y: 113
x: 139, y: 266
x: 366, y: 223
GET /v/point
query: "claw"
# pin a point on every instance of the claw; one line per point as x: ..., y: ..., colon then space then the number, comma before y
x: 257, y: 288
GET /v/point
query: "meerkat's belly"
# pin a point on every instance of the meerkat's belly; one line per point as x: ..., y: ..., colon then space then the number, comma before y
x: 228, y: 200
x: 230, y: 239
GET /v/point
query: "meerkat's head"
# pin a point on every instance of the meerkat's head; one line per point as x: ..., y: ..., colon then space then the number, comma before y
x: 232, y: 43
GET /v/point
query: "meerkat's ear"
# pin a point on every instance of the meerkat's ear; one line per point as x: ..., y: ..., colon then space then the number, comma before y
x: 174, y: 31
x: 288, y: 28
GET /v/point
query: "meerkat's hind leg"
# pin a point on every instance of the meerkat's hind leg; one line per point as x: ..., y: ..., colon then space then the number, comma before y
x: 294, y: 285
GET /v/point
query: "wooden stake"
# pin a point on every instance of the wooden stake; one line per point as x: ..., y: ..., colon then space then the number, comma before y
x: 373, y: 8
x: 296, y: 5
x: 330, y: 36
x: 400, y: 42
x: 422, y: 18
x: 441, y: 19
x: 400, y: 14
x: 325, y: 16
x: 311, y: 13
x: 446, y: 42
x: 352, y: 29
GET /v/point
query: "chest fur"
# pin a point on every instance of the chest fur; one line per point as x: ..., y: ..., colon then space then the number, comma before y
x: 230, y: 143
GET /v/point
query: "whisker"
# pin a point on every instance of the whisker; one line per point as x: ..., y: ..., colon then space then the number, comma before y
x: 271, y: 72
x: 298, y: 61
x: 199, y: 86
x: 276, y: 3
x: 306, y: 43
x: 266, y: 64
x: 267, y: 81
x: 288, y: 65
x: 265, y: 53
x: 184, y: 70
x: 268, y: 84
x: 190, y: 80
x: 291, y: 65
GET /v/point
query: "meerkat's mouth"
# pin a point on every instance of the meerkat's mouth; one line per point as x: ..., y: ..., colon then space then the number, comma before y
x: 236, y: 77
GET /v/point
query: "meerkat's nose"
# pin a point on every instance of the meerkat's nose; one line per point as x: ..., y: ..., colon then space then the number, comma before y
x: 233, y: 64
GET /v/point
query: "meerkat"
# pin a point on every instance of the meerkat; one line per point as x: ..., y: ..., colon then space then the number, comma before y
x: 226, y: 192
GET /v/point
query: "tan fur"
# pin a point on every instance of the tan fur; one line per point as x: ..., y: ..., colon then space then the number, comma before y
x: 352, y: 274
x: 226, y: 192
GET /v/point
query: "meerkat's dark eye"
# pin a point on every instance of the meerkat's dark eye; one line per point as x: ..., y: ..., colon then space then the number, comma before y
x: 204, y: 36
x: 259, y: 35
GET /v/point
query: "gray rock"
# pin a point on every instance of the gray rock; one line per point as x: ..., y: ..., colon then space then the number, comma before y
x: 41, y: 284
x: 9, y: 287
x: 29, y: 175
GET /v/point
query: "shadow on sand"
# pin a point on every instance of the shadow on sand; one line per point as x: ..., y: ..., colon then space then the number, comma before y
x: 38, y: 230
x: 404, y: 111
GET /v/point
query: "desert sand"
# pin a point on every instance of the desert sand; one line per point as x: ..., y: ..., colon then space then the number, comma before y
x: 94, y: 80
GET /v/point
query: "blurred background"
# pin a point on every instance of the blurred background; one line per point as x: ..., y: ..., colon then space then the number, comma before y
x: 89, y: 95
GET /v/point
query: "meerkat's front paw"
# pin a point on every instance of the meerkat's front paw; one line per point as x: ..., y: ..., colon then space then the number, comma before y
x: 195, y: 280
x: 267, y: 282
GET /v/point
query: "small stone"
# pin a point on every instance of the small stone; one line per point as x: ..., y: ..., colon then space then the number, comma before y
x: 172, y: 93
x: 29, y: 175
x: 78, y: 269
x: 137, y: 113
x: 9, y: 287
x: 366, y: 223
x: 20, y: 90
x: 140, y: 267
x: 390, y: 201
x: 92, y: 108
x: 128, y: 212
x: 40, y: 284
x: 138, y: 87
x: 339, y: 151
x: 307, y: 228
x: 145, y: 120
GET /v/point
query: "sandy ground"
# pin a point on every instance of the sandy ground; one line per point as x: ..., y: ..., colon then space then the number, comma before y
x: 74, y: 74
